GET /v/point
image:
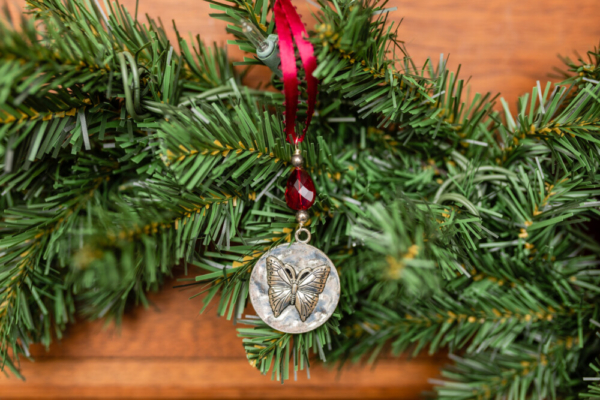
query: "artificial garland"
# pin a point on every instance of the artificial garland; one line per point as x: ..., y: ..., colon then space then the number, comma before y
x: 452, y: 225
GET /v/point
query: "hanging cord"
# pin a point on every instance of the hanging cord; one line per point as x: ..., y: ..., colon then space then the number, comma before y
x: 133, y: 105
x: 459, y: 198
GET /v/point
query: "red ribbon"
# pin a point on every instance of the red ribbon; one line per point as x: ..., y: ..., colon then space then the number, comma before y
x: 289, y: 24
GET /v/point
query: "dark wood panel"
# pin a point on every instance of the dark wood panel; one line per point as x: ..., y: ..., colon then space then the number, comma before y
x: 170, y: 351
x: 76, y: 378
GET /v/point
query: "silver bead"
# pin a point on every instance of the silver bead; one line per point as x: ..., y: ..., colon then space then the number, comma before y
x: 302, y: 216
x: 297, y: 159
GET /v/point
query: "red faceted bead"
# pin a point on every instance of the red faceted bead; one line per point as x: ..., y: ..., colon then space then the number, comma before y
x: 300, y: 192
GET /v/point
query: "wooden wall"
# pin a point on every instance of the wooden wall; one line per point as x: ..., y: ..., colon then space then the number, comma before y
x: 170, y: 351
x: 503, y: 45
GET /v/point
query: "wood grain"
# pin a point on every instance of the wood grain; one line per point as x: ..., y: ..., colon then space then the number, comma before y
x: 503, y: 46
x: 172, y: 352
x: 214, y: 379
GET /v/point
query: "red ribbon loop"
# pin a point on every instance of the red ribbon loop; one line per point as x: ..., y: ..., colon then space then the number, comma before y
x: 289, y: 24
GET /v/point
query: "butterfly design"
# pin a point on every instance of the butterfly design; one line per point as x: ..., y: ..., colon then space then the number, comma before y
x: 288, y: 289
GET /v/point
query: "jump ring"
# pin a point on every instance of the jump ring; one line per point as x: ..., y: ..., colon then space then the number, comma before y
x: 297, y: 235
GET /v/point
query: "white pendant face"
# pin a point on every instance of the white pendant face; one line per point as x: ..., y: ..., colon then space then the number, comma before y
x: 294, y: 288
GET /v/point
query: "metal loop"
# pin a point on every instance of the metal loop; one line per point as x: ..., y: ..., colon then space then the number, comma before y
x: 297, y: 235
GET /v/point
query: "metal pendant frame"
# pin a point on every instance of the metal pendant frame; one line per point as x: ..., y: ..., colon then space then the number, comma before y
x: 301, y: 257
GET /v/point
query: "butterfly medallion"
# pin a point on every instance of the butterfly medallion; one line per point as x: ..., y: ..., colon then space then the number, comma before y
x: 294, y: 288
x: 302, y: 290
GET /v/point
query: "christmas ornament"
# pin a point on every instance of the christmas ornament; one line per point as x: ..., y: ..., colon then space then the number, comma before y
x: 295, y: 287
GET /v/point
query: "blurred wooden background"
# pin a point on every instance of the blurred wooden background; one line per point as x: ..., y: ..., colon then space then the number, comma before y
x: 171, y: 352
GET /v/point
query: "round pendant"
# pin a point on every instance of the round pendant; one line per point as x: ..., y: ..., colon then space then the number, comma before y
x: 294, y: 288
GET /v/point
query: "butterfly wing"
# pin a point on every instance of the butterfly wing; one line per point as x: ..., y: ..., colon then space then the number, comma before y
x: 280, y: 281
x: 310, y: 286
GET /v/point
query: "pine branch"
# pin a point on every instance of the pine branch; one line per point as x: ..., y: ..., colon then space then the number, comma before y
x: 452, y: 225
x: 518, y: 372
